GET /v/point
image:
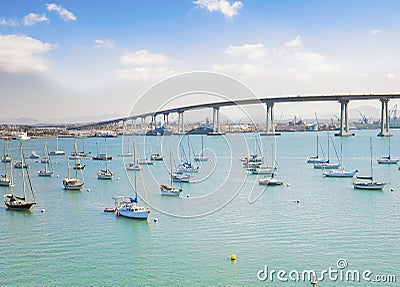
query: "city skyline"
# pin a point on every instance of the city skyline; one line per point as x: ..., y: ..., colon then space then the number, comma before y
x: 64, y: 59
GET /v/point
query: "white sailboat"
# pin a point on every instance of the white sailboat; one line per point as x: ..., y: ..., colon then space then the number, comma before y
x: 57, y: 152
x: 6, y: 157
x: 5, y: 180
x: 388, y: 159
x: 105, y: 173
x: 73, y: 183
x: 341, y: 172
x: 327, y: 164
x: 48, y: 169
x: 128, y: 153
x: 201, y: 156
x: 367, y: 182
x: 316, y: 158
x: 135, y: 164
x: 101, y: 156
x: 20, y: 202
x: 129, y: 207
x: 170, y: 190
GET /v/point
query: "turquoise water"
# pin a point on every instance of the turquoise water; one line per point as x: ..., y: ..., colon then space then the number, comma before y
x: 74, y: 243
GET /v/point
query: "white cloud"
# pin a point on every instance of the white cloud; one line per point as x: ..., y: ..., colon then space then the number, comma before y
x: 144, y: 58
x: 242, y: 70
x: 145, y: 66
x: 103, y: 43
x: 375, y: 31
x: 296, y: 42
x: 62, y: 12
x: 18, y: 53
x: 145, y: 73
x: 225, y: 7
x: 33, y: 18
x: 393, y: 75
x: 283, y: 61
x: 9, y: 22
x: 250, y: 51
x: 304, y: 66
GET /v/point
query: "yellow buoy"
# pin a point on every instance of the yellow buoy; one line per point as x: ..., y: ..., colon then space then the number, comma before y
x: 233, y: 257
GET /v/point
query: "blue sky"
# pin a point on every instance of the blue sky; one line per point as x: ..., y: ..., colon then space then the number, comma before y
x: 68, y: 58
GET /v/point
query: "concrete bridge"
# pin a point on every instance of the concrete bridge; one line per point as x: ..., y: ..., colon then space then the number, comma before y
x: 343, y: 99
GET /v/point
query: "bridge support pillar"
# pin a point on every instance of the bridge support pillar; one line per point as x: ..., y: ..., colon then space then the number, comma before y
x: 270, y: 124
x: 344, y: 119
x: 181, y: 129
x: 385, y: 132
x: 153, y: 122
x: 216, y: 124
x: 166, y: 120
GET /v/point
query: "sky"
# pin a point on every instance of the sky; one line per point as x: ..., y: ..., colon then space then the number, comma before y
x: 82, y: 59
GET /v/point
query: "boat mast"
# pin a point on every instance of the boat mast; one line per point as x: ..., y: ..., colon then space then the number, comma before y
x: 5, y: 162
x: 170, y: 157
x: 23, y: 174
x: 370, y: 147
x: 29, y: 178
x: 202, y: 145
x: 57, y: 142
x: 75, y: 159
x: 105, y: 148
x: 328, y: 146
x: 389, y: 147
x: 317, y: 147
x: 69, y: 174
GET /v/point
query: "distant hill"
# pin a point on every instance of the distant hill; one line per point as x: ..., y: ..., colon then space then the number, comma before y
x: 20, y: 121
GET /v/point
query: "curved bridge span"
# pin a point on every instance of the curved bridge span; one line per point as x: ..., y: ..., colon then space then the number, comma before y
x: 343, y: 99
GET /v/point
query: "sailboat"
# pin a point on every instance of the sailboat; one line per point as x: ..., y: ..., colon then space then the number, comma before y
x: 105, y: 173
x: 4, y: 180
x: 20, y: 202
x: 341, y: 172
x: 388, y: 159
x: 327, y: 164
x: 83, y: 153
x: 135, y: 164
x: 187, y: 166
x: 316, y: 158
x: 170, y: 190
x: 201, y: 156
x: 101, y: 156
x: 6, y: 157
x: 129, y: 207
x: 128, y: 153
x: 157, y: 156
x: 367, y: 182
x: 48, y: 170
x: 253, y: 160
x: 56, y: 151
x: 73, y: 183
x: 270, y: 180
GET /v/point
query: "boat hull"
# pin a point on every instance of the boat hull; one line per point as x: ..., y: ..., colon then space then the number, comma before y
x: 5, y: 183
x: 326, y: 165
x: 19, y: 205
x: 368, y: 185
x: 45, y: 174
x: 340, y: 173
x: 388, y: 161
x: 133, y: 214
x: 200, y: 158
x: 270, y: 182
